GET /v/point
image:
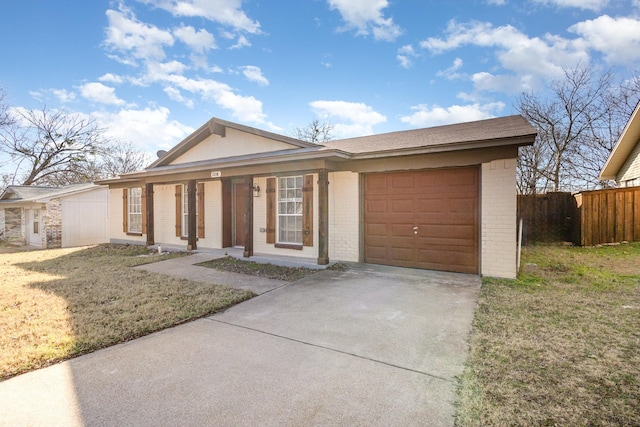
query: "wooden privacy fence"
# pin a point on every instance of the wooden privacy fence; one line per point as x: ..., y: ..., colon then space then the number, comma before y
x: 550, y: 217
x: 609, y: 216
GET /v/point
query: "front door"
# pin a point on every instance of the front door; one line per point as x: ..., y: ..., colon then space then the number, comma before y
x: 33, y: 226
x: 240, y: 194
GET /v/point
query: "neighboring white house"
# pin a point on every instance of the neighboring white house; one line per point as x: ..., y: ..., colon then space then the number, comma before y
x: 623, y: 164
x: 52, y: 217
x: 441, y: 198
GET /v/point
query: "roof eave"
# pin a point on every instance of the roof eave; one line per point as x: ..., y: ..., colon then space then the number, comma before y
x: 517, y: 141
x: 337, y: 155
x: 623, y: 148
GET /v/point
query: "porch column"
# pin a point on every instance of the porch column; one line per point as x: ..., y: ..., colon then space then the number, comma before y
x: 248, y: 212
x: 192, y: 225
x: 323, y: 217
x: 149, y: 214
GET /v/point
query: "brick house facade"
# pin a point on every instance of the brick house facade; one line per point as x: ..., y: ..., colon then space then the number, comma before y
x: 439, y: 198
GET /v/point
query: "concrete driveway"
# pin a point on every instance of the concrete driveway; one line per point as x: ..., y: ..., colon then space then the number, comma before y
x: 368, y: 346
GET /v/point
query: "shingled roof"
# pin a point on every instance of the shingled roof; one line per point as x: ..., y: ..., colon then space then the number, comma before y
x: 508, y: 129
x: 29, y: 193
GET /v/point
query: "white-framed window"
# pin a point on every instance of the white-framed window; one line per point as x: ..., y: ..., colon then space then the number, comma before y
x: 185, y: 210
x: 290, y: 209
x: 135, y: 210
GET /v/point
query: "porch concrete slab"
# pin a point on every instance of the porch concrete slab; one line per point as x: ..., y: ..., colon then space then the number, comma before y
x: 185, y: 267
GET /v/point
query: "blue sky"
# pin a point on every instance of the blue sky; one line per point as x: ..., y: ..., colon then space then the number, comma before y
x: 152, y: 71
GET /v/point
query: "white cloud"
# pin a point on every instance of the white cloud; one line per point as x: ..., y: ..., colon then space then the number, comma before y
x: 511, y: 84
x: 111, y: 78
x: 405, y: 55
x: 530, y: 58
x: 175, y: 95
x: 594, y: 5
x: 127, y: 35
x: 148, y: 129
x: 99, y: 93
x: 254, y: 74
x: 348, y: 118
x: 451, y: 72
x: 427, y: 116
x: 199, y: 41
x: 225, y: 12
x: 617, y: 38
x: 367, y: 18
x: 63, y: 95
x: 497, y: 2
x: 242, y: 42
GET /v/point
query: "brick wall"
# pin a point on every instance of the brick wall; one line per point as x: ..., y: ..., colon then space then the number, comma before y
x: 13, y: 229
x: 344, y: 216
x: 498, y: 214
x: 51, y: 222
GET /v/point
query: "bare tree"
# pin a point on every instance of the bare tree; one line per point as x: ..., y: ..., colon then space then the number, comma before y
x: 5, y: 117
x: 315, y: 132
x: 121, y: 157
x: 45, y: 145
x: 577, y: 124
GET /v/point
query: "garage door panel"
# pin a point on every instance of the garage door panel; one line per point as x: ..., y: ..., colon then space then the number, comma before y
x: 376, y: 184
x: 374, y: 230
x: 401, y: 230
x: 376, y: 205
x: 401, y: 183
x: 402, y: 205
x: 401, y: 254
x: 443, y: 204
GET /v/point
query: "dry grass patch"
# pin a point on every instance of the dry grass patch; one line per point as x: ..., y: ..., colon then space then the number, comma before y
x: 252, y: 268
x: 59, y: 303
x: 560, y: 345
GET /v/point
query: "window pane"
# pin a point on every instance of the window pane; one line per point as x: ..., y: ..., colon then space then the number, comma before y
x: 135, y: 210
x: 290, y: 209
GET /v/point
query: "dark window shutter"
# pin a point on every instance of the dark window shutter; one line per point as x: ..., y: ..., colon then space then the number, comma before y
x: 179, y: 210
x: 144, y: 210
x: 271, y: 210
x: 201, y: 210
x: 307, y: 211
x: 125, y: 209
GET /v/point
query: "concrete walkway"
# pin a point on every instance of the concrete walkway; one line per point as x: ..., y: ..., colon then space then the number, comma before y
x: 364, y: 347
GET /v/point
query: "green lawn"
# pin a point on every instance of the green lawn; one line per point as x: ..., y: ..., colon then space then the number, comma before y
x: 560, y: 345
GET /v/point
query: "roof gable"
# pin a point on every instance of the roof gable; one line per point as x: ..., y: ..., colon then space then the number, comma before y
x: 624, y: 147
x: 221, y: 139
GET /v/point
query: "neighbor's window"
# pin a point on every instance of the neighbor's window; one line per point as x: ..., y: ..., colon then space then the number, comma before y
x: 290, y: 209
x: 135, y: 210
x: 185, y: 210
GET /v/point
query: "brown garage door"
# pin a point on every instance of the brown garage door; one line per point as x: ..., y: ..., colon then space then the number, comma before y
x: 423, y: 219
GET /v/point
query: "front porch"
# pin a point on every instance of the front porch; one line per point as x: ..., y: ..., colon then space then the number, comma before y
x: 281, y: 260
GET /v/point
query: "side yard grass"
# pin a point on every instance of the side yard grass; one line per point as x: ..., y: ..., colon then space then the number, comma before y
x: 59, y: 303
x: 558, y: 346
